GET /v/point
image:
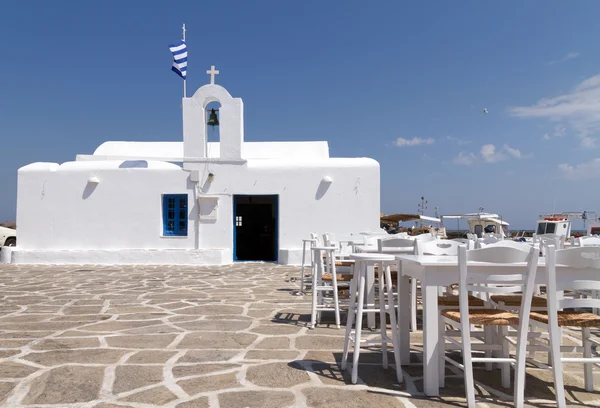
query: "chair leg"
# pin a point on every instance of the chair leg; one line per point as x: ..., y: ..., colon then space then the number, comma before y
x: 382, y: 317
x: 556, y: 360
x: 413, y: 305
x: 468, y: 365
x: 320, y: 301
x: 442, y: 352
x: 350, y: 321
x: 315, y: 295
x: 521, y: 353
x: 336, y: 302
x: 504, y: 367
x: 489, y: 339
x: 357, y: 331
x: 302, y: 269
x: 395, y: 334
x: 587, y: 353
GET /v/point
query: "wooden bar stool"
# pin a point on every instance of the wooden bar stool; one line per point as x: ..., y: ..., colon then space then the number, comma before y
x: 383, y: 305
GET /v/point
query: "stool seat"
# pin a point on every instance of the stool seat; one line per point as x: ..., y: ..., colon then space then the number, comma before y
x: 373, y: 257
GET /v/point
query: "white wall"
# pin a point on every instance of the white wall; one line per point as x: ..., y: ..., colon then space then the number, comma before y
x: 350, y: 204
x: 58, y: 209
x: 173, y: 151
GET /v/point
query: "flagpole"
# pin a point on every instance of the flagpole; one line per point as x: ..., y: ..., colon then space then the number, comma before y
x: 184, y: 80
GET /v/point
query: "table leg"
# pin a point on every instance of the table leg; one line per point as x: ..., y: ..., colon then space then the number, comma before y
x: 430, y: 338
x: 404, y: 317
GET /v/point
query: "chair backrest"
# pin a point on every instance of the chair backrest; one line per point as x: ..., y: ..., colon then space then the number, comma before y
x: 466, y: 242
x: 371, y: 239
x: 587, y: 241
x: 511, y: 244
x: 586, y: 261
x: 437, y: 247
x: 425, y: 237
x: 490, y: 239
x: 392, y: 243
x: 519, y: 279
x: 550, y: 239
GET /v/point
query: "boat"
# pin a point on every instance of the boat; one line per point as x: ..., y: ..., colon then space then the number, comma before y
x: 482, y: 224
x: 427, y: 224
x: 560, y: 224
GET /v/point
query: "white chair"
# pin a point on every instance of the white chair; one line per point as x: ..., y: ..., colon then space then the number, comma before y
x: 524, y: 246
x: 466, y: 242
x: 592, y: 240
x: 395, y: 245
x: 445, y: 248
x: 404, y: 246
x: 307, y: 244
x: 321, y: 287
x: 586, y: 260
x: 543, y: 240
x: 520, y: 279
x: 384, y: 305
x: 437, y: 247
x: 587, y: 241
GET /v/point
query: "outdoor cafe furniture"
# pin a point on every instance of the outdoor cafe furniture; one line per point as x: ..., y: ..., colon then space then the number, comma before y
x: 435, y: 271
x: 570, y: 269
x: 322, y: 287
x: 384, y: 304
x: 473, y: 279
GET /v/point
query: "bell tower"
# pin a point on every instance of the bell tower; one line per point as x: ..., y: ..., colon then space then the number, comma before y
x: 230, y: 122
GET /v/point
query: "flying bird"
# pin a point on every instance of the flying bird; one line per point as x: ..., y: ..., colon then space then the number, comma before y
x: 485, y: 110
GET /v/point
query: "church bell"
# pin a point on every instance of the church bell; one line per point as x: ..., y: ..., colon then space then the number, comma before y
x: 212, y: 119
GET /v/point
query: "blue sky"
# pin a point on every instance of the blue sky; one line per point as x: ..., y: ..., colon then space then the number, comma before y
x: 405, y: 83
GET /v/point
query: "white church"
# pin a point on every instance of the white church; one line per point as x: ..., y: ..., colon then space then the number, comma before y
x: 192, y: 202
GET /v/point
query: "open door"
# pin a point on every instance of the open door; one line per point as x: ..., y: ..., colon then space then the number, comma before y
x: 255, y: 227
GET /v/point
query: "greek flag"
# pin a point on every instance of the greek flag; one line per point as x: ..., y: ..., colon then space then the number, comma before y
x: 179, y: 51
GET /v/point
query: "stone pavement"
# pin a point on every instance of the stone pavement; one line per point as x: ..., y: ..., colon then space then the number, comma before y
x: 179, y: 336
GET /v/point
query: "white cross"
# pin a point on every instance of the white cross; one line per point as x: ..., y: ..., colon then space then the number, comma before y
x: 212, y: 72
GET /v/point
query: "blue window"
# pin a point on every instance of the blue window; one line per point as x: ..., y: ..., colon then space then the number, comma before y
x: 175, y: 215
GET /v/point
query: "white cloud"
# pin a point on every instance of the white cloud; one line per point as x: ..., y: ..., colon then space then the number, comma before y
x: 415, y: 141
x: 489, y: 153
x: 587, y: 170
x: 465, y: 159
x: 588, y: 142
x: 559, y: 131
x: 458, y: 141
x: 566, y: 57
x: 516, y: 153
x: 580, y: 108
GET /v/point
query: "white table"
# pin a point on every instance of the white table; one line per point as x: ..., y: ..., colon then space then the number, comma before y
x: 434, y: 271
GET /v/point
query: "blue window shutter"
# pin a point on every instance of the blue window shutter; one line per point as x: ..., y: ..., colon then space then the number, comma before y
x: 175, y: 214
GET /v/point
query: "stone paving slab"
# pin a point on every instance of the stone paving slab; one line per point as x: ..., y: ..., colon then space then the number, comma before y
x: 203, y: 337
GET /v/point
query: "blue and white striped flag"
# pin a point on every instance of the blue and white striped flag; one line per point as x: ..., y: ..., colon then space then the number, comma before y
x: 179, y: 51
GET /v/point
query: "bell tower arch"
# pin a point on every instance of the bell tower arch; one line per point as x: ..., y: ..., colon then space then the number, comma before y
x: 231, y: 123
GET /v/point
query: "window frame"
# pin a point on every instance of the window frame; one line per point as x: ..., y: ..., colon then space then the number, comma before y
x: 177, y: 230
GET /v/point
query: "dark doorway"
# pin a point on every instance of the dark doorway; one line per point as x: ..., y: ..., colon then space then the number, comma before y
x: 255, y: 227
